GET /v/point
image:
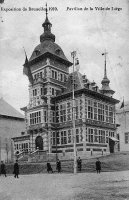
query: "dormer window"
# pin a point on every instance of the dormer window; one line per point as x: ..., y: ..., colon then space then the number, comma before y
x: 37, y: 52
x: 58, y: 51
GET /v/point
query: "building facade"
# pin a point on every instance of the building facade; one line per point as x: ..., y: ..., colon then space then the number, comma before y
x: 49, y: 115
x: 122, y: 117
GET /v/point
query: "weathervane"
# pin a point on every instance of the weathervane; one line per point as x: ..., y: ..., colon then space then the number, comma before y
x: 104, y: 54
x: 46, y: 10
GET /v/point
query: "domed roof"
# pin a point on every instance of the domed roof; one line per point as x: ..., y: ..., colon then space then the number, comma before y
x: 48, y: 46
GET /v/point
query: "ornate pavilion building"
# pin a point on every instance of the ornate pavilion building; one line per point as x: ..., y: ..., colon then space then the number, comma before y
x: 49, y: 113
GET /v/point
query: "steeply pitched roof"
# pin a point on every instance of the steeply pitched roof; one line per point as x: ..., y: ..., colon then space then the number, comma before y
x: 8, y: 110
x: 80, y: 82
x: 48, y: 46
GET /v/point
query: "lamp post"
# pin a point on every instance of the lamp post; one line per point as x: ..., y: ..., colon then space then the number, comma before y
x: 73, y: 55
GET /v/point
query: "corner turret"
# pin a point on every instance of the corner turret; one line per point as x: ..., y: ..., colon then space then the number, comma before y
x: 106, y: 90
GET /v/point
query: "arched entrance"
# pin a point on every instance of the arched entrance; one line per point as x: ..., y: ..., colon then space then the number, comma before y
x: 39, y: 142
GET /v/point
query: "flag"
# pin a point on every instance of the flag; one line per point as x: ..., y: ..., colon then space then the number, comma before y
x: 77, y: 64
x: 27, y: 70
x: 122, y: 105
x: 76, y: 61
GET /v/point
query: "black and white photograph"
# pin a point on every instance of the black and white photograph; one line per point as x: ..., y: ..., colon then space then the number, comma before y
x: 64, y: 100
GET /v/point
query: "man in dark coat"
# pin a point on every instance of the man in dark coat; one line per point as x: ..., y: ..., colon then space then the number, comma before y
x: 58, y: 165
x: 16, y: 169
x: 3, y: 169
x: 79, y: 164
x: 49, y: 168
x: 98, y: 166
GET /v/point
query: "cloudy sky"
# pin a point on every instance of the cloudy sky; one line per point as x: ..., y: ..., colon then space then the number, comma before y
x: 89, y: 32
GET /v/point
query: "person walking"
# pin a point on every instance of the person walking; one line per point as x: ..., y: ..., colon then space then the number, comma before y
x: 3, y: 169
x: 98, y: 166
x: 49, y: 167
x: 16, y: 169
x: 79, y: 164
x: 58, y: 165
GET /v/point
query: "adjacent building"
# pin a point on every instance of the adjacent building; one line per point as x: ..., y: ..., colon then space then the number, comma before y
x: 122, y: 117
x: 49, y: 114
x: 12, y: 123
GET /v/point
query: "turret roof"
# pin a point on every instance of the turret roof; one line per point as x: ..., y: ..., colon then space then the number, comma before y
x: 48, y: 46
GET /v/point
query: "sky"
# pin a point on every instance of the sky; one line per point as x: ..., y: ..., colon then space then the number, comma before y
x: 88, y: 32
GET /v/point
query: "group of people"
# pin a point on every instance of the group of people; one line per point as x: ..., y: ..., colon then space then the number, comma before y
x: 49, y: 167
x: 58, y: 166
x: 79, y: 166
x: 15, y: 169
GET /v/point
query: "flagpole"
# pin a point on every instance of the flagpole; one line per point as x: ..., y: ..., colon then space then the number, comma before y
x: 124, y: 112
x: 73, y: 55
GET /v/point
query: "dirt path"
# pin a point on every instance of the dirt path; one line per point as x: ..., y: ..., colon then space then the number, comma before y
x: 88, y: 186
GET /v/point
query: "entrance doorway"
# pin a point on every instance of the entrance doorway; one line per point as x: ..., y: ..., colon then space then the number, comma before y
x: 111, y: 145
x: 39, y: 142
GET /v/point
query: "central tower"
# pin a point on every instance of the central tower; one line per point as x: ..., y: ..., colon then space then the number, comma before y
x: 49, y: 68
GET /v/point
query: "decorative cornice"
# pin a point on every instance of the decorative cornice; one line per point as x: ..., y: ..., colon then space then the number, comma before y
x: 48, y: 54
x: 88, y: 92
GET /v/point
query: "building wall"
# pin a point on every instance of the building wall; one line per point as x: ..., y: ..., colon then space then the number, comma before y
x: 9, y: 128
x: 123, y: 120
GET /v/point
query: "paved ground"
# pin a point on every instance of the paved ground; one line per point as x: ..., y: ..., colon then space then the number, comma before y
x: 84, y: 186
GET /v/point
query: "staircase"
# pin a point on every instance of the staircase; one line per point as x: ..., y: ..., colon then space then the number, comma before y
x: 36, y: 156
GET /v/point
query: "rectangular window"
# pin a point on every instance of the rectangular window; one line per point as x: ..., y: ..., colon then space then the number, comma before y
x: 69, y: 136
x: 77, y: 135
x: 53, y: 138
x: 69, y: 111
x: 106, y: 114
x: 90, y: 135
x: 86, y: 135
x: 53, y: 74
x: 57, y: 113
x: 90, y: 109
x: 45, y: 91
x: 111, y: 114
x: 81, y: 135
x: 45, y: 116
x: 35, y: 118
x: 35, y: 92
x: 107, y: 138
x: 96, y: 139
x: 63, y: 137
x: 126, y: 138
x: 102, y: 136
x: 61, y: 77
x: 53, y: 91
x: 63, y: 112
x: 58, y: 137
x: 41, y: 91
x: 95, y: 110
x: 65, y: 78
